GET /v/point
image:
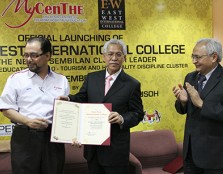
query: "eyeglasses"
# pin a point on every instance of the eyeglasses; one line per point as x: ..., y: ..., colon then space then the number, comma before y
x: 196, y: 57
x: 32, y: 55
x: 118, y: 55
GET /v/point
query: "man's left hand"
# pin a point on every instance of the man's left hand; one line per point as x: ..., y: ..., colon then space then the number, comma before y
x: 194, y: 95
x: 115, y: 117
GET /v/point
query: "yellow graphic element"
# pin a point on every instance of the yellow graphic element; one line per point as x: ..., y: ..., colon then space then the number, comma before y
x: 160, y: 36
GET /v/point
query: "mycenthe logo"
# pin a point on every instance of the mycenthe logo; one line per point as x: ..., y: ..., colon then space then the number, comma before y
x: 39, y: 8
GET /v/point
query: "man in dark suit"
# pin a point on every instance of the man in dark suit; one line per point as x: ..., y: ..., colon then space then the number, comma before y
x: 203, y: 136
x: 127, y: 110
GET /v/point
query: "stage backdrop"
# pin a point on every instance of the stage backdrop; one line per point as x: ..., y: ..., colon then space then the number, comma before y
x: 160, y: 35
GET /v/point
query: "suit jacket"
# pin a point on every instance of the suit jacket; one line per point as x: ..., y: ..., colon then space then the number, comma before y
x: 204, y: 126
x: 125, y: 96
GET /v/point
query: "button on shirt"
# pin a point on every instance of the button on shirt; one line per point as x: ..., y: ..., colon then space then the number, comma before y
x: 33, y: 96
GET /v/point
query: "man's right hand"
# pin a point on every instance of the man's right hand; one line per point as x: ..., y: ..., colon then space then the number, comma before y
x: 37, y: 123
x: 180, y: 93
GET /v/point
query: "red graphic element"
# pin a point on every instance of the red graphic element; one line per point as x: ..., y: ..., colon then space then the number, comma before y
x: 17, y: 8
x: 40, y: 8
x: 156, y: 116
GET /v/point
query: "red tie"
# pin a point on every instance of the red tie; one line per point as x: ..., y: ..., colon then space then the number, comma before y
x: 107, y: 84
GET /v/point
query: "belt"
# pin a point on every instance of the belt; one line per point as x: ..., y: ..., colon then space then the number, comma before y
x: 48, y: 129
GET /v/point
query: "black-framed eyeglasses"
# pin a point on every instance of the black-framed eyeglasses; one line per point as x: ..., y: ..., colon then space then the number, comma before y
x: 32, y: 55
x: 197, y: 57
x: 118, y: 55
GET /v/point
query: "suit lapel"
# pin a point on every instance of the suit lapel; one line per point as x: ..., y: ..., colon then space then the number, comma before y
x: 212, y: 81
x: 100, y: 84
x: 192, y: 81
x: 117, y: 85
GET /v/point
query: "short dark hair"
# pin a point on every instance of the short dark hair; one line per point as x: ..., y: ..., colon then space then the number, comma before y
x: 46, y: 45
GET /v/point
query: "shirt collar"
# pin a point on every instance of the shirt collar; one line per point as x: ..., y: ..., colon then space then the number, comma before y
x: 32, y: 74
x: 114, y: 76
x: 208, y: 75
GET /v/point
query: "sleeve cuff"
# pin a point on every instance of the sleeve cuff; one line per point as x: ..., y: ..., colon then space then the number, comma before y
x: 122, y: 119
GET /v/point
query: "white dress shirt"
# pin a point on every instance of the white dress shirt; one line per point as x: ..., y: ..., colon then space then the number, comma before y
x: 33, y: 96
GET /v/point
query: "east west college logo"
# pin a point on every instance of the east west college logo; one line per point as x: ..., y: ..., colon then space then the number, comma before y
x: 111, y: 14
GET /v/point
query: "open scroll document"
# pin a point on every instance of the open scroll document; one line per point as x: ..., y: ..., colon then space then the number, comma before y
x: 85, y: 122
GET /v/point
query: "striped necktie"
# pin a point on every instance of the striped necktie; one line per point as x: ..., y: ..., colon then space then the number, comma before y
x: 201, y: 79
x: 107, y: 84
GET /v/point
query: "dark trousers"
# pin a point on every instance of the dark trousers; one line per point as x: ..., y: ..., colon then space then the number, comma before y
x: 95, y: 168
x: 32, y: 152
x: 191, y: 168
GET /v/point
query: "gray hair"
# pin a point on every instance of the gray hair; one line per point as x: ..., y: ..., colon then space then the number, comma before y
x: 212, y: 46
x: 115, y: 41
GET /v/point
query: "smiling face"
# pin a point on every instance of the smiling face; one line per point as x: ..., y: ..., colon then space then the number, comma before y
x: 114, y: 58
x: 206, y: 62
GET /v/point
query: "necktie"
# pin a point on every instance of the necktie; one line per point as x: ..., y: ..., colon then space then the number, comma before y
x: 107, y: 84
x: 201, y: 79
